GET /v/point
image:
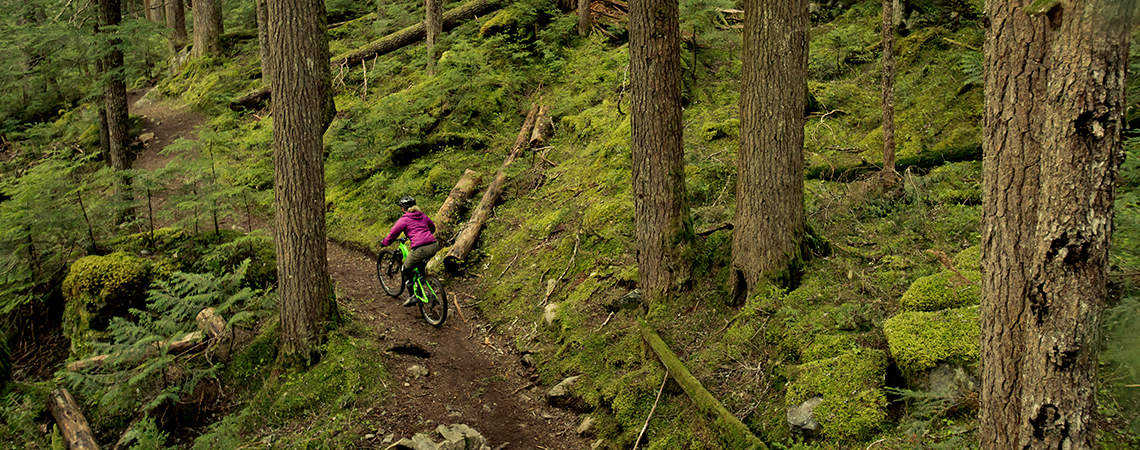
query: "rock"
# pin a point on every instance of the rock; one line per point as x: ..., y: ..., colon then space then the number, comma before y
x: 586, y: 427
x: 369, y: 437
x: 600, y: 443
x: 631, y: 300
x: 801, y: 417
x: 562, y: 396
x: 146, y: 138
x: 551, y: 313
x: 417, y: 371
x: 527, y: 360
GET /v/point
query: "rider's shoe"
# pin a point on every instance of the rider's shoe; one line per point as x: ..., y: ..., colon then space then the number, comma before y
x: 411, y: 301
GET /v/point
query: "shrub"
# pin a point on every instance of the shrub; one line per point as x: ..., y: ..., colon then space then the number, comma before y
x: 943, y: 290
x: 921, y: 340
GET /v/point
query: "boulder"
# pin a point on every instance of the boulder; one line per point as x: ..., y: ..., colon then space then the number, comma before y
x: 852, y: 405
x: 100, y: 287
x: 562, y: 395
x: 801, y: 418
x: 945, y: 289
x: 920, y: 341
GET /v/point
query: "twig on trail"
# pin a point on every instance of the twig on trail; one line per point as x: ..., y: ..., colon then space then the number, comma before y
x: 460, y: 311
x: 516, y: 391
x: 509, y: 265
x: 637, y: 443
x: 611, y: 316
x: 577, y: 240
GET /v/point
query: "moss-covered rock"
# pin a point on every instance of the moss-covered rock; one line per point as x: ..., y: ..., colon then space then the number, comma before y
x: 853, y: 404
x: 98, y: 288
x: 921, y: 340
x: 828, y: 346
x: 945, y: 289
x: 257, y: 248
x: 969, y: 259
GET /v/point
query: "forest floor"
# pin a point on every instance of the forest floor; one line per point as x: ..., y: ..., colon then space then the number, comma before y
x: 475, y: 377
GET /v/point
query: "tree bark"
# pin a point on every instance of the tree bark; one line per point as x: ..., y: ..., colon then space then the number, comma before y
x: 769, y: 219
x: 543, y: 126
x: 888, y: 63
x: 70, y: 419
x: 465, y: 241
x: 207, y: 28
x: 585, y: 19
x: 263, y: 40
x: 450, y: 208
x: 176, y: 20
x: 433, y: 26
x: 661, y: 212
x: 115, y: 98
x: 1052, y: 145
x: 301, y: 115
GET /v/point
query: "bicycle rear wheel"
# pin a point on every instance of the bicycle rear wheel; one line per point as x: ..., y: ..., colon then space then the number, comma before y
x: 434, y: 310
x: 388, y: 265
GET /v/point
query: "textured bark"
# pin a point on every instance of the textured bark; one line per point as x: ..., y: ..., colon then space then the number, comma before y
x: 888, y: 63
x: 769, y: 220
x: 76, y: 432
x: 465, y: 241
x: 208, y: 28
x: 115, y: 99
x: 1052, y: 145
x: 263, y: 40
x: 384, y: 45
x: 543, y: 127
x: 176, y: 20
x: 301, y: 115
x: 104, y: 132
x: 450, y: 208
x: 585, y: 18
x: 433, y: 26
x: 661, y: 213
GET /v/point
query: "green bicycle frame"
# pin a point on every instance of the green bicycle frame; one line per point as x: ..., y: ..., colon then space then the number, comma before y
x: 419, y: 286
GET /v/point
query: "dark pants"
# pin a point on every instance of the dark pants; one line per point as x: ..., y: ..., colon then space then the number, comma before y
x: 418, y: 258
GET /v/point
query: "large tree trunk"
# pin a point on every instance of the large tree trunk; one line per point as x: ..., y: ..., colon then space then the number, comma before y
x: 1052, y: 143
x: 115, y: 98
x: 208, y: 28
x: 263, y: 40
x: 176, y: 20
x: 769, y: 220
x: 433, y: 26
x: 450, y: 208
x: 466, y: 239
x: 888, y: 63
x: 661, y: 212
x: 301, y: 115
x: 70, y: 419
x: 585, y: 19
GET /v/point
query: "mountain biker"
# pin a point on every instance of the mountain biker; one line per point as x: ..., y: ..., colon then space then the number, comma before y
x: 421, y: 238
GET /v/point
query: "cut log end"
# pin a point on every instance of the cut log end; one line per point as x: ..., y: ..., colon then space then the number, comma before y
x: 72, y: 424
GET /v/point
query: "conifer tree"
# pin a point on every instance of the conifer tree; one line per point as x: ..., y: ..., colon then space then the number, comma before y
x: 207, y: 28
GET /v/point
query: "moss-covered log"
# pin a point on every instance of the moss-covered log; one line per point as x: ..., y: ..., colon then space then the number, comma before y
x: 543, y: 127
x: 459, y: 194
x: 71, y: 422
x: 387, y: 44
x: 921, y: 162
x: 180, y: 345
x: 729, y: 424
x: 465, y: 241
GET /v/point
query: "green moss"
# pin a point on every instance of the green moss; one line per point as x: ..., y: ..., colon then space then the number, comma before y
x: 921, y: 340
x: 945, y: 289
x: 850, y: 384
x: 257, y: 248
x: 828, y: 346
x: 98, y: 287
x: 969, y: 259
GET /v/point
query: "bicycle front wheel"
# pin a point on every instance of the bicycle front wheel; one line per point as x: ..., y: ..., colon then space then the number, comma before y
x: 434, y: 309
x: 388, y: 265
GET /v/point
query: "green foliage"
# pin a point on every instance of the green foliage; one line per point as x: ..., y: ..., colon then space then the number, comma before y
x: 850, y: 384
x: 21, y: 407
x: 920, y: 340
x: 98, y: 288
x: 945, y: 289
x: 256, y: 250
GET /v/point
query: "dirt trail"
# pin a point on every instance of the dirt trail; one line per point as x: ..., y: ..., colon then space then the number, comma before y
x: 474, y: 378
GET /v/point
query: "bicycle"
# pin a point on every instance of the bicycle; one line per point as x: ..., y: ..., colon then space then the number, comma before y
x: 425, y: 288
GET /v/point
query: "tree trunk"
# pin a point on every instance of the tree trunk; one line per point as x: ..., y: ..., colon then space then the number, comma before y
x: 208, y: 28
x: 450, y: 208
x: 115, y: 97
x: 1052, y: 145
x: 176, y: 20
x: 661, y: 212
x: 70, y: 419
x: 466, y: 239
x: 104, y: 131
x: 263, y: 40
x: 433, y: 26
x: 769, y: 219
x: 585, y: 20
x: 301, y: 115
x: 888, y: 63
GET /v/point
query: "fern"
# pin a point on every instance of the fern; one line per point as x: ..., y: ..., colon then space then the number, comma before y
x: 972, y: 65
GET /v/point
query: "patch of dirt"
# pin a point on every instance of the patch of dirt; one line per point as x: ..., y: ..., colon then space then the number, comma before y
x: 167, y: 122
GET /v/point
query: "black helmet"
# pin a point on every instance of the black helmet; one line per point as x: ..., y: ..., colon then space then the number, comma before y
x: 406, y: 202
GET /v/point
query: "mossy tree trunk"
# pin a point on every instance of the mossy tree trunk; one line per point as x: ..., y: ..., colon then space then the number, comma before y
x: 115, y: 100
x: 661, y: 212
x: 207, y: 28
x: 176, y: 21
x: 888, y: 63
x: 585, y: 20
x: 433, y: 26
x: 302, y: 110
x: 1052, y: 145
x: 769, y: 220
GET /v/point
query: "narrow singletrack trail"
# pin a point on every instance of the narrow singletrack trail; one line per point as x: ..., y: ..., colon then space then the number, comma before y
x: 474, y: 376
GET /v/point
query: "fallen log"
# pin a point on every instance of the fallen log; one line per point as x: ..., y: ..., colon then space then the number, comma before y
x: 384, y: 45
x: 543, y: 126
x: 450, y: 208
x: 361, y: 18
x: 706, y: 403
x: 70, y: 419
x: 214, y: 327
x: 180, y: 345
x: 465, y: 241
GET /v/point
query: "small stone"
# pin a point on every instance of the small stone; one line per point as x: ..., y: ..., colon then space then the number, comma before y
x: 369, y: 437
x: 527, y: 360
x: 562, y: 396
x: 600, y: 443
x: 586, y: 427
x: 389, y: 438
x: 418, y: 371
x: 801, y: 417
x: 145, y: 138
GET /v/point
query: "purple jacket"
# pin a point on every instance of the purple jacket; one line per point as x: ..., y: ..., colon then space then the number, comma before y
x: 419, y: 228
